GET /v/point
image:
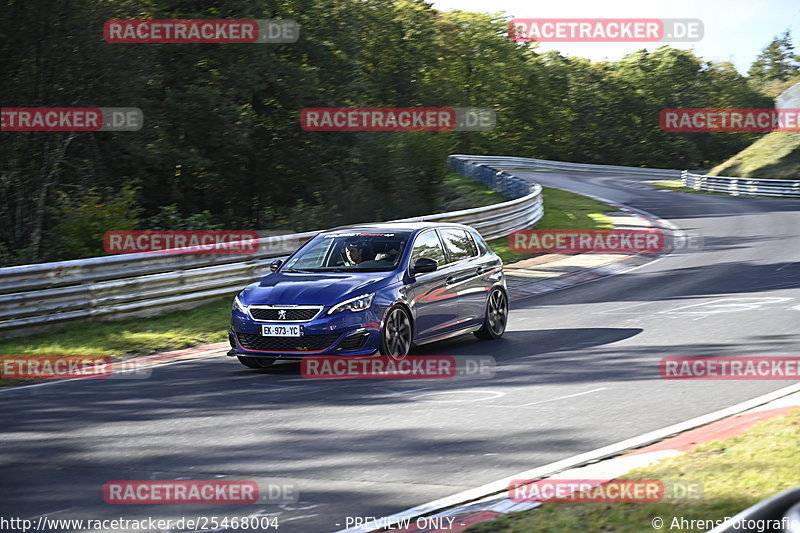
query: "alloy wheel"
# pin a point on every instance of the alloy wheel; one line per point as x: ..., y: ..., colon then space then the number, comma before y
x: 397, y: 334
x: 498, y: 312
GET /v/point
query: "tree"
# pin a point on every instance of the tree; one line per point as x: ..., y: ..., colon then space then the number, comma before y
x: 222, y: 139
x: 777, y: 61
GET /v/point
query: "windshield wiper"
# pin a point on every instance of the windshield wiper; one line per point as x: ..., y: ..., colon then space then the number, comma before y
x: 297, y: 270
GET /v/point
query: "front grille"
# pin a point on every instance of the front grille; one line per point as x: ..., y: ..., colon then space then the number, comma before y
x: 288, y: 314
x: 306, y: 343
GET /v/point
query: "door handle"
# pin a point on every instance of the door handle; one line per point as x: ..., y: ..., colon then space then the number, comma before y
x: 450, y: 280
x: 479, y: 270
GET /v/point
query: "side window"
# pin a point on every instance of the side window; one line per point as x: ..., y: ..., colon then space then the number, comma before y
x: 459, y: 244
x: 427, y: 245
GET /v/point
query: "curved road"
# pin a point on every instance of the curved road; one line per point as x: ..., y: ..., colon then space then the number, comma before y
x: 577, y: 370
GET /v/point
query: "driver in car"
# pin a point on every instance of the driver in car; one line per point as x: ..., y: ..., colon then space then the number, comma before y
x: 353, y: 254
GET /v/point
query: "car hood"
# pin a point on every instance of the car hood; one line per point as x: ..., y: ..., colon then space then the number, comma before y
x: 313, y: 289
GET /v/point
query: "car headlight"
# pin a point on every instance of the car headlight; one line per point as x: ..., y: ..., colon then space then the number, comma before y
x: 359, y: 303
x: 239, y: 306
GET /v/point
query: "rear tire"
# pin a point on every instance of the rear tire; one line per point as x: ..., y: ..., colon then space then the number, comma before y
x: 494, y: 323
x: 256, y: 362
x: 397, y: 333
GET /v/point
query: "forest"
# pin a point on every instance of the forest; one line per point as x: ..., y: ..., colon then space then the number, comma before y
x: 222, y: 146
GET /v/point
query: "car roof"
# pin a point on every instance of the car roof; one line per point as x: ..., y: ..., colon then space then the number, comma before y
x: 398, y: 226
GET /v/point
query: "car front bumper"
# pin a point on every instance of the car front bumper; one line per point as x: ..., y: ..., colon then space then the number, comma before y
x: 345, y: 333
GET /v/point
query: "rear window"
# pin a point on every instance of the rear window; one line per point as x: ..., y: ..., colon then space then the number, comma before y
x: 483, y: 248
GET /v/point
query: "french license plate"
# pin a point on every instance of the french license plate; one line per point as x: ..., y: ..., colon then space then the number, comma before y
x: 288, y: 330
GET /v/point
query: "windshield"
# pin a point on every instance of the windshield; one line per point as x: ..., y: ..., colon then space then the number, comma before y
x: 350, y: 251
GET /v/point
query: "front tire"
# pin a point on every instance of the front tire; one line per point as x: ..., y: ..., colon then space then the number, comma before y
x: 494, y: 323
x: 397, y: 333
x: 256, y: 362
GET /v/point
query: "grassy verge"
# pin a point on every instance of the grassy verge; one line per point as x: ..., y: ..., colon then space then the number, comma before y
x: 204, y: 324
x: 562, y: 210
x: 776, y: 155
x: 677, y: 185
x: 735, y: 473
x: 460, y: 192
x: 208, y: 322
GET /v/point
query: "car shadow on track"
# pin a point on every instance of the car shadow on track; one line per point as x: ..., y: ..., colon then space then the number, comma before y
x: 513, y: 345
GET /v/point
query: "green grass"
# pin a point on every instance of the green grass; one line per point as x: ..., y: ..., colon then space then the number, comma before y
x: 460, y: 192
x: 562, y: 210
x: 774, y: 156
x: 566, y: 210
x: 670, y: 184
x: 208, y: 322
x: 735, y: 473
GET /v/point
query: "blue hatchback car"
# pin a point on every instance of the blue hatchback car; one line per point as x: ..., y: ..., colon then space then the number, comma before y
x: 382, y: 288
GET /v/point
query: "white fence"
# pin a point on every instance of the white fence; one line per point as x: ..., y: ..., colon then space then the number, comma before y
x: 742, y: 186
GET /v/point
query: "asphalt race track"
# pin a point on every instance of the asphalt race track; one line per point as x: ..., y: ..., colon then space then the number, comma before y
x: 577, y: 370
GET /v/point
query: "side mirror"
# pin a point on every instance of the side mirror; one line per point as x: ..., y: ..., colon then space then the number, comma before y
x: 275, y: 265
x: 423, y: 265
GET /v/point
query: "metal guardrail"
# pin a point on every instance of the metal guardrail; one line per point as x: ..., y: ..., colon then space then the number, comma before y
x: 524, y: 163
x: 742, y: 186
x: 40, y: 296
x: 724, y: 184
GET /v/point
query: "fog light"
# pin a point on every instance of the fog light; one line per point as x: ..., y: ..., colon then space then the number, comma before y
x: 231, y: 339
x: 354, y: 341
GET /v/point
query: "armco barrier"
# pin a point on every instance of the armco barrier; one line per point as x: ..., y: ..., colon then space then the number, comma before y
x: 724, y: 184
x: 742, y: 186
x: 37, y: 297
x: 509, y: 163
